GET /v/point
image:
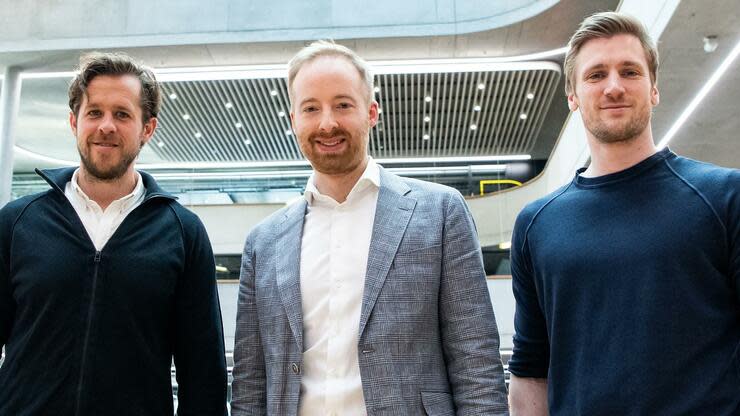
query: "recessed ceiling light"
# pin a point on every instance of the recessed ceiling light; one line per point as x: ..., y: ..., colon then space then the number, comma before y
x: 473, y: 127
x: 238, y: 125
x: 281, y: 113
x: 247, y: 142
x: 228, y: 105
x: 530, y: 96
x: 476, y: 107
x: 289, y: 132
x: 160, y: 143
x: 198, y: 135
x: 376, y: 89
x: 710, y: 43
x: 427, y: 119
x: 425, y: 137
x: 380, y: 110
x: 273, y: 92
x: 428, y: 98
x: 523, y: 116
x: 481, y: 86
x: 173, y: 96
x: 505, y: 245
x: 186, y: 116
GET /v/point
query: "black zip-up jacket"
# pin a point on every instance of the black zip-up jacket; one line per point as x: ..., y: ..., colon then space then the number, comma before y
x: 90, y: 332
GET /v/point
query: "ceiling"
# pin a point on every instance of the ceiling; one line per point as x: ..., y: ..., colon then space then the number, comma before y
x: 465, y: 113
x: 255, y: 127
x: 711, y: 131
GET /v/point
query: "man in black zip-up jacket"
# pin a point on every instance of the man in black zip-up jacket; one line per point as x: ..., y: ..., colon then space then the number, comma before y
x: 92, y: 314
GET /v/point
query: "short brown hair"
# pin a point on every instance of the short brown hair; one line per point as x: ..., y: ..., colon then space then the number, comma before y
x: 606, y: 25
x: 329, y: 48
x: 97, y: 63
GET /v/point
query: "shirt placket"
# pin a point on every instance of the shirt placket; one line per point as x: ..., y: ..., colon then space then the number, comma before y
x: 334, y: 357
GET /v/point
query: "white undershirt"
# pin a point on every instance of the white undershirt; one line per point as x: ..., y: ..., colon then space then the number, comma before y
x: 334, y: 252
x: 100, y: 225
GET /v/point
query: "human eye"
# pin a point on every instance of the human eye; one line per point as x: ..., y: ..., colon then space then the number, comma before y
x: 309, y: 109
x: 93, y: 113
x: 595, y: 76
x: 344, y: 105
x: 630, y: 73
x: 122, y: 115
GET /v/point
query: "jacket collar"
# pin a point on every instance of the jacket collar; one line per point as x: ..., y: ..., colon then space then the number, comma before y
x: 58, y: 178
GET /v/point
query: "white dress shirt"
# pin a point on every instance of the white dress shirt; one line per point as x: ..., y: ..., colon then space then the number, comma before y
x: 334, y: 253
x: 101, y: 224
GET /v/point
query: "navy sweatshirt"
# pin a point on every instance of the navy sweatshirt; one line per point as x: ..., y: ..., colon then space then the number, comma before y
x: 628, y: 291
x: 90, y: 332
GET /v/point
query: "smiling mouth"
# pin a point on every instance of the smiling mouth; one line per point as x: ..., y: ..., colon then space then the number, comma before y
x: 107, y: 145
x: 330, y: 142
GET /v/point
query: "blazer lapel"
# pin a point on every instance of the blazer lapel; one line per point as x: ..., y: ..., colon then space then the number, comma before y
x: 392, y: 214
x: 287, y: 255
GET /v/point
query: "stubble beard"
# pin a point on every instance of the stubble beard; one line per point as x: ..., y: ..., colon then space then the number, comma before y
x: 624, y: 132
x: 110, y: 173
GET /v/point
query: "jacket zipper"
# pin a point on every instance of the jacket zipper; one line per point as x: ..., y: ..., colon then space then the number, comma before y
x: 96, y: 263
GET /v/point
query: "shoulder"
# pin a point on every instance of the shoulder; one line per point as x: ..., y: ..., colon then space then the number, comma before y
x: 266, y: 230
x: 13, y: 210
x: 426, y: 192
x: 532, y: 210
x: 705, y: 174
x: 719, y: 186
x: 188, y: 219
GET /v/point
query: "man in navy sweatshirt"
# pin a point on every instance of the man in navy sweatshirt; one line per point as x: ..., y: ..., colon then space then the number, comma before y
x: 627, y: 279
x: 105, y: 278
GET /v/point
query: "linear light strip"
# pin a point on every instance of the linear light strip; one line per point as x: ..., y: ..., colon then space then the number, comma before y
x: 288, y: 163
x: 305, y: 173
x: 380, y: 67
x: 700, y: 96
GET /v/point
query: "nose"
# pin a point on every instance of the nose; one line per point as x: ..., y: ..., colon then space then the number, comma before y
x: 328, y: 122
x: 614, y: 87
x: 107, y: 125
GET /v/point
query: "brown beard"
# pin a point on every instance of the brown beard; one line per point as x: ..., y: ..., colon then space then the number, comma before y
x: 112, y: 173
x: 631, y: 129
x: 333, y: 164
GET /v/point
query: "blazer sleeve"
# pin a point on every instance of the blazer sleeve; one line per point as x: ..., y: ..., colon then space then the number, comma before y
x: 468, y: 326
x: 249, y: 394
x: 199, y: 344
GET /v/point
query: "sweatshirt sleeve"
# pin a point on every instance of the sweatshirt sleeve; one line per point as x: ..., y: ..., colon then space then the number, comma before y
x: 531, y: 353
x: 199, y: 344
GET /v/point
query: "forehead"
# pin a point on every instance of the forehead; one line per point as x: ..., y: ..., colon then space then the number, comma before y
x: 118, y: 89
x: 611, y: 51
x: 327, y: 73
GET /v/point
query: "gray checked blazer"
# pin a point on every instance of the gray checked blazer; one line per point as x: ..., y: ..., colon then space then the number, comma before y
x: 428, y: 342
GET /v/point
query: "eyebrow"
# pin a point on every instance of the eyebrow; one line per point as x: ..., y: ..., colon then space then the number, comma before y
x: 623, y: 63
x: 336, y: 97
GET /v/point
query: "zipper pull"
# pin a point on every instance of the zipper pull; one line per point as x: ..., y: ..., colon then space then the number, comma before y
x: 97, y: 257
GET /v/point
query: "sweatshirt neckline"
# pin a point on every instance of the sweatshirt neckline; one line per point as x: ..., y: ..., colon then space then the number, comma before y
x: 622, y: 174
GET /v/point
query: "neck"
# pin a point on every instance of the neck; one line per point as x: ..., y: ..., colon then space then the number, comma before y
x: 338, y: 186
x: 104, y: 192
x: 613, y: 157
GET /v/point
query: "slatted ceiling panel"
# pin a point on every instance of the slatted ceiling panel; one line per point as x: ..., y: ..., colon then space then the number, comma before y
x: 400, y: 129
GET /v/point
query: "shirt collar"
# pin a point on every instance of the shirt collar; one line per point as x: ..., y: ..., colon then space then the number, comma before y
x: 124, y: 202
x: 370, y: 176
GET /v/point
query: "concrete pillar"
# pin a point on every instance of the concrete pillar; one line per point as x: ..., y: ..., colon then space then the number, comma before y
x: 9, y: 102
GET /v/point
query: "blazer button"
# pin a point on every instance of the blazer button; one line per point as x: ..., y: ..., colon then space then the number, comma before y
x: 296, y: 368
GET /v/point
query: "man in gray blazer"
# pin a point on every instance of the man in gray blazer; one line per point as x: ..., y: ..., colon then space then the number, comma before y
x: 367, y: 297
